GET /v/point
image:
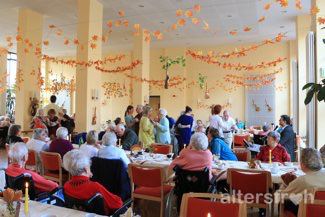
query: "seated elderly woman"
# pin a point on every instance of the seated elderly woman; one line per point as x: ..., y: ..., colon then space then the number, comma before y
x: 219, y: 147
x: 81, y: 187
x: 14, y: 134
x: 91, y: 146
x: 311, y: 164
x: 39, y: 142
x: 61, y: 145
x: 18, y: 155
x: 196, y: 156
x: 110, y: 150
x: 278, y: 152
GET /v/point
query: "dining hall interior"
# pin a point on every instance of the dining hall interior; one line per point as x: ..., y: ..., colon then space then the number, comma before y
x: 173, y: 108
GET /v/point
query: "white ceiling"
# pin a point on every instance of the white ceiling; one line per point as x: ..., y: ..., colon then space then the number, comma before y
x: 222, y: 16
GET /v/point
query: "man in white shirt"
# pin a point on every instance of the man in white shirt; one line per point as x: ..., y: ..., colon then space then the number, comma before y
x: 52, y: 105
x: 230, y: 125
x: 110, y: 150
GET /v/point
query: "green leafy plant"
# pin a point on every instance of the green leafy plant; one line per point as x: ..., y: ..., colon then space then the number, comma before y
x: 168, y: 62
x: 314, y: 89
x: 10, y: 102
x: 201, y: 80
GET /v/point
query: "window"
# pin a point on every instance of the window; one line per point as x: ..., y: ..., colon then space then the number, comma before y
x: 11, y: 80
x: 11, y: 69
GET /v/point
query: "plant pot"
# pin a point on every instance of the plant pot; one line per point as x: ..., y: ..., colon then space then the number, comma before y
x: 166, y: 81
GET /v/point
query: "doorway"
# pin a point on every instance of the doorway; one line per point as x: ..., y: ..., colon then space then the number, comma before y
x: 154, y: 102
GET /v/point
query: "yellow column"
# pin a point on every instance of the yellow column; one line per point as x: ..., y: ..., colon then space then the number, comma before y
x: 3, y: 72
x: 320, y: 66
x: 141, y: 51
x: 30, y: 26
x: 88, y: 79
x: 302, y: 27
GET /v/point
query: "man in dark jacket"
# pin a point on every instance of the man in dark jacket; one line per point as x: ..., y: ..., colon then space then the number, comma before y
x: 127, y: 136
x: 287, y: 135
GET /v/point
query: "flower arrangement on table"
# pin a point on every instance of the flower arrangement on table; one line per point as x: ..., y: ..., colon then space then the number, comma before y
x: 11, y: 205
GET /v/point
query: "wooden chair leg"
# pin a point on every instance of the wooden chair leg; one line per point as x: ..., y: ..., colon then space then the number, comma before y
x: 161, y: 208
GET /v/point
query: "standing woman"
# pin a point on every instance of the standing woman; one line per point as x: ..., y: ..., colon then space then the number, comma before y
x: 216, y: 121
x: 184, y: 126
x: 146, y: 134
x: 128, y: 116
x: 163, y: 134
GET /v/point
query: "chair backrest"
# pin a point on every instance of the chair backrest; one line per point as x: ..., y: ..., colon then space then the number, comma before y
x: 80, y: 138
x: 139, y: 176
x: 162, y: 148
x: 32, y: 158
x: 95, y: 204
x: 190, y: 181
x: 51, y: 160
x: 202, y: 204
x: 315, y: 207
x: 255, y: 182
x: 239, y: 139
x: 242, y: 154
x: 136, y: 147
x: 259, y: 139
x: 19, y: 182
x: 112, y: 174
x: 100, y: 135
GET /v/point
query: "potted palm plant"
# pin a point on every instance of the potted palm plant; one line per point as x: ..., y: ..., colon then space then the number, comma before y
x: 314, y: 89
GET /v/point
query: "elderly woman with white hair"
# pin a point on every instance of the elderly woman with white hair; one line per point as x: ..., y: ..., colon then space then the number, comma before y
x: 91, y: 146
x: 110, y: 150
x: 146, y: 134
x: 196, y: 156
x: 81, y: 187
x: 39, y: 120
x: 162, y: 128
x: 61, y: 145
x: 39, y: 141
x: 18, y: 155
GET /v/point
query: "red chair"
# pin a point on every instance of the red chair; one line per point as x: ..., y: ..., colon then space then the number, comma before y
x: 147, y: 184
x: 258, y: 183
x: 31, y: 163
x: 239, y: 140
x: 162, y: 148
x: 313, y: 208
x: 242, y: 154
x: 197, y: 205
x: 52, y: 167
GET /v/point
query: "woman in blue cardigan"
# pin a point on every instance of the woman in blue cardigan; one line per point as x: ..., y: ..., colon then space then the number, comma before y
x: 219, y: 147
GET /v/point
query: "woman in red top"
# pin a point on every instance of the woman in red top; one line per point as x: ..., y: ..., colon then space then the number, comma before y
x: 278, y: 152
x: 18, y: 154
x: 80, y: 186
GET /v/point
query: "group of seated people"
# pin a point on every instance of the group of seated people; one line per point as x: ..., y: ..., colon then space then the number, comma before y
x: 195, y: 156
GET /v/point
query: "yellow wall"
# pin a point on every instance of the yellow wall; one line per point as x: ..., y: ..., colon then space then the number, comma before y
x: 175, y: 99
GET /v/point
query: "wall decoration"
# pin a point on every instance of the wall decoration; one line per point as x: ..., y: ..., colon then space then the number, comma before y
x: 269, y: 108
x: 234, y: 66
x: 34, y: 105
x: 169, y: 62
x: 257, y: 108
x: 114, y: 90
x: 202, y: 80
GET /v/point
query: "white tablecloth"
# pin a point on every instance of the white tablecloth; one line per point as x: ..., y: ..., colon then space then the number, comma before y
x: 44, y: 210
x: 159, y: 160
x: 276, y: 177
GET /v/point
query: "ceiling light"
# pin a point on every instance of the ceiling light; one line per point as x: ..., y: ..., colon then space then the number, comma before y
x: 141, y: 6
x: 229, y: 16
x: 284, y: 11
x: 162, y: 22
x: 281, y: 27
